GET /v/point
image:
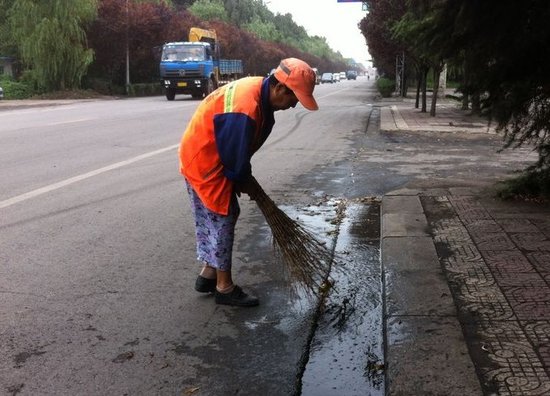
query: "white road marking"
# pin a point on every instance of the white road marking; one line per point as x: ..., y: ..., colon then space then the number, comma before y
x: 46, y: 189
x: 75, y: 179
x: 329, y: 94
x: 69, y: 121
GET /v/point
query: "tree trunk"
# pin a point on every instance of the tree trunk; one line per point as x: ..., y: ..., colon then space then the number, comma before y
x: 437, y: 72
x: 424, y: 86
x: 465, y: 100
x: 465, y: 96
x: 418, y: 87
x: 476, y: 104
x: 404, y: 83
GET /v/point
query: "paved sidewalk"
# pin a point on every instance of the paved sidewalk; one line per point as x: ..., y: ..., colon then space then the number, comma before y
x: 402, y: 115
x: 467, y: 277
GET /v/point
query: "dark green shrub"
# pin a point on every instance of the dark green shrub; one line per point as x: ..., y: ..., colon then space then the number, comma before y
x: 143, y: 89
x: 102, y: 86
x: 533, y: 184
x: 16, y: 89
x: 385, y: 86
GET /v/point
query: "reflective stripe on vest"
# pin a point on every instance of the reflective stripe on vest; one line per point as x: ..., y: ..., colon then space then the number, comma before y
x: 228, y: 97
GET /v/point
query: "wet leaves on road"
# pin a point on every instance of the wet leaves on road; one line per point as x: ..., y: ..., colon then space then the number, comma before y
x: 124, y: 357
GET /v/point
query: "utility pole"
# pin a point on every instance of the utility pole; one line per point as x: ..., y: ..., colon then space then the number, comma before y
x: 127, y: 50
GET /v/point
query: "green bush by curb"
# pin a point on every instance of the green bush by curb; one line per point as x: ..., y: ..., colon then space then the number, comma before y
x: 145, y: 90
x: 385, y: 86
x: 16, y: 90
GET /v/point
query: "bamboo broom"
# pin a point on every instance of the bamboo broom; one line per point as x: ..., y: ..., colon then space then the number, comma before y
x: 307, y: 260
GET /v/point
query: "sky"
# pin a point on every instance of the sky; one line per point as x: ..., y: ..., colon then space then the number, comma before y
x: 337, y: 22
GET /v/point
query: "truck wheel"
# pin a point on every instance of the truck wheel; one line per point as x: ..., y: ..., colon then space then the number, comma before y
x: 170, y: 93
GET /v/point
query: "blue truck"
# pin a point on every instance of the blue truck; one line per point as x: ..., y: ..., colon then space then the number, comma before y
x: 194, y: 67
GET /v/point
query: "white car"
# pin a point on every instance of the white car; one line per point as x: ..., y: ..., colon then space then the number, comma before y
x: 1, y: 93
x: 326, y: 78
x: 335, y: 77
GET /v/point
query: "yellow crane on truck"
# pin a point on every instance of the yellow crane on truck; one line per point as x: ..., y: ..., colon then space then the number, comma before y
x: 207, y: 36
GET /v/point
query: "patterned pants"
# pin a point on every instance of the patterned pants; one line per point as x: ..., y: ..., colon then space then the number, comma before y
x: 214, y: 232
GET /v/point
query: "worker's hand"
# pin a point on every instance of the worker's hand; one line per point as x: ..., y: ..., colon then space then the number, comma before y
x: 248, y: 187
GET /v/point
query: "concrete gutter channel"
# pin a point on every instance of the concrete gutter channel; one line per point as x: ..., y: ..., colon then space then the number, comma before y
x: 344, y: 353
x: 390, y: 326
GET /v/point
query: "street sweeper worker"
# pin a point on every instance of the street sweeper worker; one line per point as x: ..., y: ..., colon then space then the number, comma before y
x: 228, y: 127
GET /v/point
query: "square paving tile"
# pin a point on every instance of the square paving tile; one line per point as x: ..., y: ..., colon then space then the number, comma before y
x: 475, y: 311
x: 507, y: 261
x: 484, y: 226
x: 538, y: 333
x: 518, y: 225
x: 509, y: 358
x: 528, y: 279
x: 540, y: 260
x: 531, y: 310
x: 531, y: 241
x: 492, y: 241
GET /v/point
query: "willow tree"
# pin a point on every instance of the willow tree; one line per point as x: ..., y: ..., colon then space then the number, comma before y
x: 209, y: 9
x: 7, y: 45
x: 51, y: 39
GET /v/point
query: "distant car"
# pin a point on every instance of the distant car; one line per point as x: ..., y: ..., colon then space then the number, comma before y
x: 351, y: 75
x: 1, y: 93
x: 326, y: 78
x: 317, y: 76
x: 336, y: 77
x: 342, y: 75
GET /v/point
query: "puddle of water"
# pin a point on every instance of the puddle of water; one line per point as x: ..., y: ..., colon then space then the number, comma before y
x: 346, y: 355
x: 346, y: 351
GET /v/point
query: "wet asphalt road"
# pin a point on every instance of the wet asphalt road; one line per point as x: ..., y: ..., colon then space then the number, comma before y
x: 97, y: 268
x: 97, y: 251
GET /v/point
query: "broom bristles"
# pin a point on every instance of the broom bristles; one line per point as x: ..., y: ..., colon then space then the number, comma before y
x: 307, y: 260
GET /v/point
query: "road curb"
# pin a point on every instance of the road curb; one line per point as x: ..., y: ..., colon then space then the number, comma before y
x: 426, y: 352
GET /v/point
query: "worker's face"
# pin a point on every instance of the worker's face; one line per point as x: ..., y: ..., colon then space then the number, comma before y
x: 283, y: 98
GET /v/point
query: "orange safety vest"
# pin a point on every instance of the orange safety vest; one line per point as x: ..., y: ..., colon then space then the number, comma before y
x: 228, y: 127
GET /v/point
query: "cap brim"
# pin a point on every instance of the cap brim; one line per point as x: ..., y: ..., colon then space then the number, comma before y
x: 308, y: 101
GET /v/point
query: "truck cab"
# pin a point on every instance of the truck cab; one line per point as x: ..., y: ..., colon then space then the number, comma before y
x: 188, y: 68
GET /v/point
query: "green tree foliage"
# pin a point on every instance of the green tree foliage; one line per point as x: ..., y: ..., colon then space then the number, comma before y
x: 510, y: 66
x: 260, y: 56
x: 209, y: 9
x: 264, y: 30
x: 501, y: 46
x: 145, y: 25
x: 183, y: 3
x: 255, y: 17
x: 377, y: 28
x: 51, y: 40
x: 414, y: 31
x: 7, y: 43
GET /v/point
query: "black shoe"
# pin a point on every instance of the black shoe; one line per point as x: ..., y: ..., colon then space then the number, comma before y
x: 237, y: 298
x: 205, y: 285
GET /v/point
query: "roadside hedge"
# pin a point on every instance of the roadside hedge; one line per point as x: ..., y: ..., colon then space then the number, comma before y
x: 151, y: 89
x: 16, y: 89
x: 385, y: 86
